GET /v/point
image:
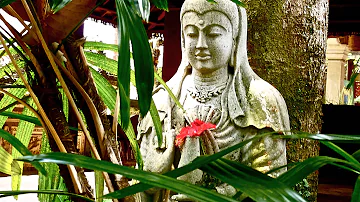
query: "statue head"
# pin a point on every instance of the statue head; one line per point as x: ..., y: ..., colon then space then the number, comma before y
x: 206, y: 19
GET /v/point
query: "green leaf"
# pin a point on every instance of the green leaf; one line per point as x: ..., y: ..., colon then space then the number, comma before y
x: 207, y: 159
x: 156, y: 120
x: 143, y: 6
x: 169, y: 91
x: 153, y: 179
x: 53, y: 180
x: 356, y: 194
x: 124, y: 62
x: 99, y: 185
x: 30, y: 119
x: 21, y: 148
x: 4, y: 3
x: 153, y: 112
x: 21, y: 117
x: 356, y: 155
x: 143, y: 62
x: 23, y: 134
x: 108, y: 95
x: 100, y: 46
x: 102, y: 62
x: 251, y: 182
x: 239, y: 3
x: 343, y: 153
x: 6, y: 160
x: 310, y: 165
x: 161, y: 4
x: 57, y: 5
x: 11, y: 193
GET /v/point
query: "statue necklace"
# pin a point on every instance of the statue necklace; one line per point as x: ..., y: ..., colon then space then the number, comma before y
x: 203, y: 94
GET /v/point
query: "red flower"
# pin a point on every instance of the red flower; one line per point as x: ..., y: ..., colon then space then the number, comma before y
x: 195, y: 129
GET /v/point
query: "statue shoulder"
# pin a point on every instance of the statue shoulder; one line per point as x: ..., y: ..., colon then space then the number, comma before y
x: 267, y: 106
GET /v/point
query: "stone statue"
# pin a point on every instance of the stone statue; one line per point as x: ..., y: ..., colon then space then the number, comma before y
x: 215, y: 84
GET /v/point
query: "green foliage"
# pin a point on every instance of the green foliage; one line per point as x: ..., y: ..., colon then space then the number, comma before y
x: 4, y: 3
x: 21, y: 148
x: 57, y: 5
x: 161, y: 4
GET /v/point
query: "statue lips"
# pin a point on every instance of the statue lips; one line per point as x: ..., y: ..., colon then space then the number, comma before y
x: 202, y: 55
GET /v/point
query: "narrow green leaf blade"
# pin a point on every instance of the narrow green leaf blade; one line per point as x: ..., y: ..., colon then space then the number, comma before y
x: 21, y: 117
x: 143, y: 62
x: 102, y: 62
x: 356, y: 194
x: 99, y: 185
x: 251, y: 182
x: 124, y: 62
x: 171, y: 94
x: 356, y: 155
x: 57, y: 5
x: 153, y: 179
x: 161, y: 4
x: 156, y: 120
x: 12, y: 193
x: 342, y: 152
x: 21, y: 148
x: 310, y: 165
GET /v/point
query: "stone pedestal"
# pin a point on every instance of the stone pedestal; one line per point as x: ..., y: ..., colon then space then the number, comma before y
x: 336, y: 55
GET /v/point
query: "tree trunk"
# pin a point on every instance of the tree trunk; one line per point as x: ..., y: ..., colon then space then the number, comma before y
x: 286, y: 47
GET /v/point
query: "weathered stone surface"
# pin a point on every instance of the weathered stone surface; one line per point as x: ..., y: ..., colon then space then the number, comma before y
x: 215, y: 84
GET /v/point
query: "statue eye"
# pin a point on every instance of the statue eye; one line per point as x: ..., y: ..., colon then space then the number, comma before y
x: 191, y: 34
x: 214, y: 34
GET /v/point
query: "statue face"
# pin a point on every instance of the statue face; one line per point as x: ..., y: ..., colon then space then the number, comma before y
x: 208, y: 40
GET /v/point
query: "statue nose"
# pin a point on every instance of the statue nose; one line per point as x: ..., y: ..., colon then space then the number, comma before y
x: 201, y: 43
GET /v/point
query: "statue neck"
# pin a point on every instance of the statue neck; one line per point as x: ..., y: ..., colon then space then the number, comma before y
x: 211, y: 79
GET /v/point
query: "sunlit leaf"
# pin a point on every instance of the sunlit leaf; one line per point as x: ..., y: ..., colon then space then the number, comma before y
x: 57, y: 5
x: 108, y: 95
x: 161, y: 4
x: 193, y: 191
x: 11, y: 193
x: 251, y: 182
x: 23, y: 134
x: 6, y: 160
x: 52, y: 180
x: 5, y: 2
x: 102, y: 62
x: 21, y: 148
x: 99, y: 185
x: 100, y: 46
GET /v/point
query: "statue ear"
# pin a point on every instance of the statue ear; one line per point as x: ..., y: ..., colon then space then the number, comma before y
x: 233, y: 53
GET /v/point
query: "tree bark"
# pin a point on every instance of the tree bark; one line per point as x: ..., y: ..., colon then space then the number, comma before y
x: 286, y: 47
